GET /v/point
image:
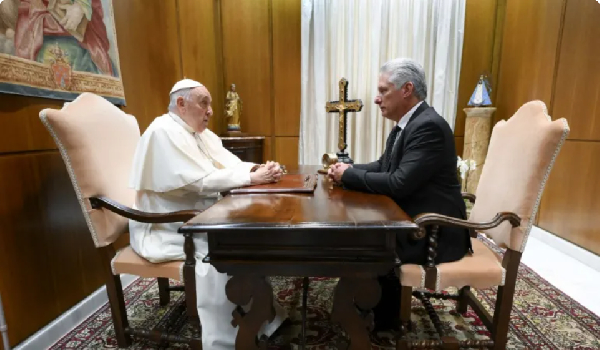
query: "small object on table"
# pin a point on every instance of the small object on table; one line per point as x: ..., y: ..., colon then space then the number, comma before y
x: 295, y: 183
x: 328, y: 160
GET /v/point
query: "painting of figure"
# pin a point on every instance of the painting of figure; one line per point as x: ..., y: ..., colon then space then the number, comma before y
x: 59, y: 49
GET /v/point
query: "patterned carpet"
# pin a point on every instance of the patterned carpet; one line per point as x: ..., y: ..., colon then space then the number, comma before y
x: 542, y: 318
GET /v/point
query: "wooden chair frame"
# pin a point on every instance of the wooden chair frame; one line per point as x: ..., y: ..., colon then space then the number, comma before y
x: 114, y: 288
x: 496, y: 324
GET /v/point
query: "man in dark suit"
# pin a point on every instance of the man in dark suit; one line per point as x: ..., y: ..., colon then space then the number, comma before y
x: 417, y: 170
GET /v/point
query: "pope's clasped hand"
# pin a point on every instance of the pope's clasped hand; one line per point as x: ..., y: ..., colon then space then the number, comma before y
x: 269, y: 172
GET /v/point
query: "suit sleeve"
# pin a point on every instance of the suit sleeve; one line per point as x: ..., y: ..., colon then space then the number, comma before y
x: 373, y: 166
x: 422, y: 156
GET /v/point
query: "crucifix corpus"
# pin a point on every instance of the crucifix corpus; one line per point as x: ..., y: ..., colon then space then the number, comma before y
x: 343, y: 106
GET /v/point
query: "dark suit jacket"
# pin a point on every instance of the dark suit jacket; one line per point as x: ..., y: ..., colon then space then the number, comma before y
x: 421, y: 178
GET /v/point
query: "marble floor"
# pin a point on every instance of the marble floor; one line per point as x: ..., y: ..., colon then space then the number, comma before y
x: 573, y: 270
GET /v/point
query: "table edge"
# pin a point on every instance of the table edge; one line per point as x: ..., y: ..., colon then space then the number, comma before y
x: 276, y: 226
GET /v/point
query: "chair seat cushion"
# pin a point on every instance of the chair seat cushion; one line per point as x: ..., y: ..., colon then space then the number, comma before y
x: 128, y: 261
x: 482, y: 269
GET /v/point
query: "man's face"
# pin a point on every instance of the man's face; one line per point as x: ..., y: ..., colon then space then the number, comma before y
x: 197, y: 109
x: 392, y: 101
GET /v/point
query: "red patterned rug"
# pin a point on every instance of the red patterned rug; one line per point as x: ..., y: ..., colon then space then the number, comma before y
x: 542, y: 318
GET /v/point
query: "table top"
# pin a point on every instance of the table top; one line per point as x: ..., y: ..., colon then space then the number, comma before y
x: 243, y: 138
x: 330, y: 207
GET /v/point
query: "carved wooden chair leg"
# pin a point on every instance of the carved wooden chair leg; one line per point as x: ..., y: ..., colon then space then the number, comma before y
x: 433, y: 316
x: 118, y: 311
x: 305, y: 283
x: 463, y: 300
x: 163, y: 291
x: 405, y: 309
x: 502, y: 311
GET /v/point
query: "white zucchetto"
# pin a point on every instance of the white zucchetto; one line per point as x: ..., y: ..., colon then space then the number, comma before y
x: 185, y: 84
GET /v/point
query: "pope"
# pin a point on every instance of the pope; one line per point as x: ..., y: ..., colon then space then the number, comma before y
x: 180, y: 164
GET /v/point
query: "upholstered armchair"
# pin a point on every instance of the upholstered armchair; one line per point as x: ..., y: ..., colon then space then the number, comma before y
x: 520, y: 156
x: 97, y: 142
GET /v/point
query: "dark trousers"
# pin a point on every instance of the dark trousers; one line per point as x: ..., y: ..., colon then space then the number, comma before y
x: 387, y: 311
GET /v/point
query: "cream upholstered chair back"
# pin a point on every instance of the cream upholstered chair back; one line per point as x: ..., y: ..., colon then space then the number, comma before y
x: 520, y: 156
x: 97, y: 142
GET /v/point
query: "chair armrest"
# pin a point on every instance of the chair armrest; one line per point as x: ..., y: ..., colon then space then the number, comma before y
x: 469, y: 196
x: 437, y: 220
x: 140, y: 216
x: 430, y: 219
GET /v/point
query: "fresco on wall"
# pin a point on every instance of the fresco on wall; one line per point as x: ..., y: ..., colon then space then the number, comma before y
x: 59, y: 49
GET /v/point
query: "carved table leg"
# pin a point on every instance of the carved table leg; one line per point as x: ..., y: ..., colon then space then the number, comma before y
x: 349, y: 294
x: 240, y: 291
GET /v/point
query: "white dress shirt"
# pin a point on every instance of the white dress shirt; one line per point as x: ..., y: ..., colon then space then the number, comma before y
x: 405, y: 119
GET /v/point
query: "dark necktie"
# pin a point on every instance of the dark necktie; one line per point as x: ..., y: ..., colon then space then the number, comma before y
x: 389, y: 148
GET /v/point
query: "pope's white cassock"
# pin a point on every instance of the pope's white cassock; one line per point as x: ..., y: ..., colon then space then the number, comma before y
x: 174, y: 169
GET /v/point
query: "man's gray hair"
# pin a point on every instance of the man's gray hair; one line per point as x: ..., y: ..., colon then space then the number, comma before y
x: 403, y: 70
x: 185, y: 93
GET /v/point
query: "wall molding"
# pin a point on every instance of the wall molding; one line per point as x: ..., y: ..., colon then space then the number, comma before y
x: 62, y: 325
x: 574, y: 251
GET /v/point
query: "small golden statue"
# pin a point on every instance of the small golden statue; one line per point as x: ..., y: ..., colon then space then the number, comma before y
x: 233, y: 111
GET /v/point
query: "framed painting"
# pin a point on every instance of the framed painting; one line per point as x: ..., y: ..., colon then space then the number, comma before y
x: 59, y: 49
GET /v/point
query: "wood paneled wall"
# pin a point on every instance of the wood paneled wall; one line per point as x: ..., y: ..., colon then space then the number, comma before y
x: 484, y: 21
x: 201, y: 51
x: 47, y: 259
x: 551, y: 52
x: 528, y: 62
x: 477, y: 56
x: 571, y: 204
x: 148, y: 36
x: 256, y: 46
x: 547, y: 50
x: 48, y: 262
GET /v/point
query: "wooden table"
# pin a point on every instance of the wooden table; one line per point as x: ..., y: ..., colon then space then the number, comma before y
x: 331, y: 233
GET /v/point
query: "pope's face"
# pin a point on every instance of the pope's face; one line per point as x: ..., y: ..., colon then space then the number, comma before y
x: 197, y: 109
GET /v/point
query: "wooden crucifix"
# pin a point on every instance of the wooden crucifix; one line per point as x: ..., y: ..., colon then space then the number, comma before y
x: 343, y: 106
